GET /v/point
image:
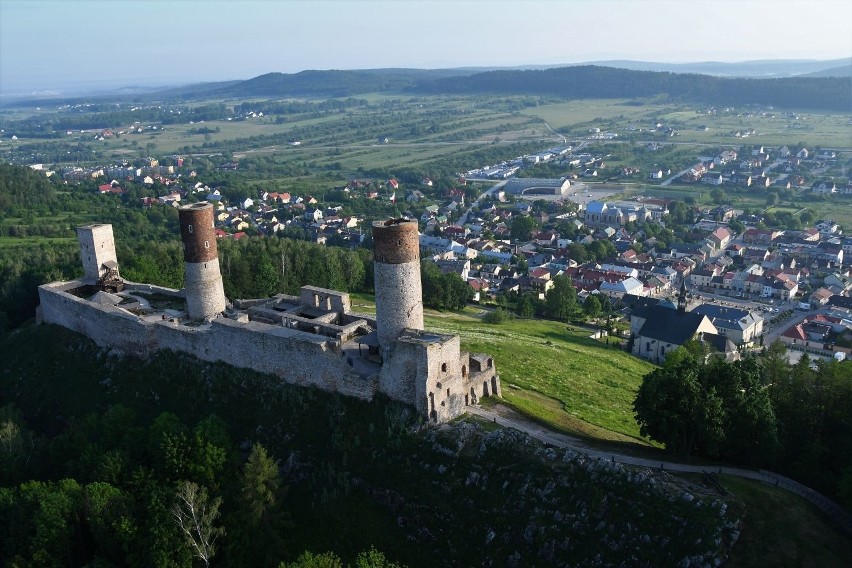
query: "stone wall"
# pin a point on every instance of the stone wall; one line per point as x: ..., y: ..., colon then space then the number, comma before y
x: 426, y: 370
x: 444, y: 387
x: 297, y: 357
x: 107, y: 326
x: 205, y: 293
x: 325, y: 299
x: 399, y: 299
x: 97, y: 246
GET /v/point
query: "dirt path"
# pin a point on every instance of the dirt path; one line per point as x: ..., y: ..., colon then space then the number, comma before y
x: 507, y: 417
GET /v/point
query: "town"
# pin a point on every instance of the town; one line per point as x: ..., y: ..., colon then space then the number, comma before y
x: 754, y: 283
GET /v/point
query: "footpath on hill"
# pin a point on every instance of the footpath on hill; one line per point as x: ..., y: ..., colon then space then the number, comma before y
x: 505, y: 416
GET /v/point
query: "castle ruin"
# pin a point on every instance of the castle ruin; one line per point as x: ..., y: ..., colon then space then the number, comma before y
x: 314, y: 339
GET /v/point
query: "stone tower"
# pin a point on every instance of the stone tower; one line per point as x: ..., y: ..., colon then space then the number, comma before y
x: 97, y: 250
x: 205, y: 295
x: 399, y: 296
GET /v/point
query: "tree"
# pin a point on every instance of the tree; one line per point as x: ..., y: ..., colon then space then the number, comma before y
x: 807, y: 217
x: 750, y: 425
x: 673, y: 407
x: 374, y: 559
x: 718, y: 196
x: 592, y: 306
x: 310, y: 560
x: 16, y: 445
x: 601, y: 249
x: 577, y: 252
x: 522, y: 227
x: 525, y: 307
x: 260, y: 484
x: 195, y: 514
x: 561, y: 300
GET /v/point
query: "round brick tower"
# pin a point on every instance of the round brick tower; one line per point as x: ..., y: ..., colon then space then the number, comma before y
x: 205, y: 295
x: 399, y: 296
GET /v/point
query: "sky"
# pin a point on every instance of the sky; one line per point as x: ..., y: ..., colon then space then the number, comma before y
x: 66, y: 45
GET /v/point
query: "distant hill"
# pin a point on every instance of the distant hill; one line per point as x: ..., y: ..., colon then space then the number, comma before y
x: 842, y: 71
x: 756, y: 69
x: 592, y: 81
x: 826, y: 86
x: 335, y: 83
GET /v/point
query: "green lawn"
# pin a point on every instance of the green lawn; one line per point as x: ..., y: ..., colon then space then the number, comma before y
x: 551, y: 371
x: 556, y: 373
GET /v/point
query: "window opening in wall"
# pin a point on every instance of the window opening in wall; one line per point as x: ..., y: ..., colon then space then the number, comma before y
x: 448, y: 393
x: 189, y: 228
x: 444, y: 367
x: 207, y: 244
x: 399, y: 243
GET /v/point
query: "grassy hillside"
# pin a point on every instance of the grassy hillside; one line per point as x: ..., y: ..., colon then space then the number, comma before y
x: 552, y: 371
x: 591, y: 383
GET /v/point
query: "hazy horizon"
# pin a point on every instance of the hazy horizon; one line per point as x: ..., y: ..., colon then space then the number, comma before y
x: 50, y: 46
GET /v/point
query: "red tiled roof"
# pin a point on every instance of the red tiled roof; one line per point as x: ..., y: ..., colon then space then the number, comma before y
x: 796, y: 332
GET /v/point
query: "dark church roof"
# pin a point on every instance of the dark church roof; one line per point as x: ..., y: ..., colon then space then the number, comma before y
x: 720, y: 343
x: 640, y: 306
x: 670, y: 326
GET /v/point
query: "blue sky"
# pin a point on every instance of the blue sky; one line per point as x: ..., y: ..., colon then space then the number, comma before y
x: 64, y: 45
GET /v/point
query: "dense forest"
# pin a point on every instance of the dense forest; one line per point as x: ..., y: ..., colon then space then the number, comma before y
x: 590, y: 81
x: 758, y: 412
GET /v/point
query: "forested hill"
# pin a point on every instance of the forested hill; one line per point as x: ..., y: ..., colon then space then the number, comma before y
x: 585, y: 81
x: 841, y: 71
x: 336, y: 83
x: 591, y: 81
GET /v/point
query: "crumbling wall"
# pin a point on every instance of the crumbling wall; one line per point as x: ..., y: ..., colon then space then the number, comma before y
x: 423, y: 369
x: 325, y: 299
x: 482, y: 378
x: 97, y: 247
x: 444, y: 387
x: 403, y: 367
x: 108, y: 326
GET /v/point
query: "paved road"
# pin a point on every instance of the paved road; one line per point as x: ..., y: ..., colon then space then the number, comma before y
x: 463, y: 219
x: 505, y: 416
x: 676, y: 176
x: 564, y: 140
